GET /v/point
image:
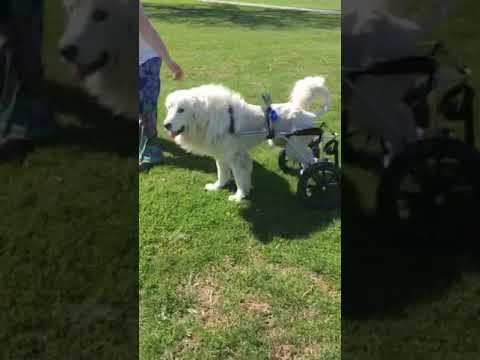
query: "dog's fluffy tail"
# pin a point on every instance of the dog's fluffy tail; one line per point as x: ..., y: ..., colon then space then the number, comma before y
x: 306, y: 91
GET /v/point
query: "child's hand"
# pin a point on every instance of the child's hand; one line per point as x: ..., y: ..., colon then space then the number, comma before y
x: 175, y: 69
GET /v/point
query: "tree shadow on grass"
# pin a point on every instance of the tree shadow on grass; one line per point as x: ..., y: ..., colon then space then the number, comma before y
x: 383, y: 274
x: 83, y: 123
x: 119, y: 137
x: 95, y: 127
x: 221, y: 15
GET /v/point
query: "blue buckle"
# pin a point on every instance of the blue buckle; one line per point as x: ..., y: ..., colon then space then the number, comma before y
x: 273, y: 114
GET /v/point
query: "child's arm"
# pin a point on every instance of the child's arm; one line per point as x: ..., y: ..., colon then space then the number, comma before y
x: 153, y: 39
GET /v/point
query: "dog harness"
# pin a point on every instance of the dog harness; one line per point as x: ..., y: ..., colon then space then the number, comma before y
x: 231, y: 129
x: 270, y: 117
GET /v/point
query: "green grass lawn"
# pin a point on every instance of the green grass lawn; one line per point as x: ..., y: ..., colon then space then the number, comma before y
x: 309, y: 4
x: 218, y: 280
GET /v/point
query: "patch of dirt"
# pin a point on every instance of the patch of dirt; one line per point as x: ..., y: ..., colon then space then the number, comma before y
x: 287, y: 352
x: 210, y: 300
x: 317, y: 281
x: 282, y: 352
x: 209, y: 307
x: 273, y: 331
x: 310, y: 314
x: 209, y: 297
x: 255, y: 306
x: 324, y: 287
x: 312, y: 351
x: 186, y: 346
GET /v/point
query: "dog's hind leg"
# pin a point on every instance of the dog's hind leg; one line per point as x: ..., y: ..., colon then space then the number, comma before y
x: 224, y: 175
x: 242, y: 167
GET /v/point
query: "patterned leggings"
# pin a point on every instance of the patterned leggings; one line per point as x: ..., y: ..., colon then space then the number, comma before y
x: 149, y: 84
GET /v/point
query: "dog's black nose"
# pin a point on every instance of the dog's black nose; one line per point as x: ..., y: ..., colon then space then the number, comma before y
x: 69, y: 53
x: 168, y: 126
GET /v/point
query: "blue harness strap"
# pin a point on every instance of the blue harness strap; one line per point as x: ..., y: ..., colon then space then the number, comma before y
x: 270, y: 116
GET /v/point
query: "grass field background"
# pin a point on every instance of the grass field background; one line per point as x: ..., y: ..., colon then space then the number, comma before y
x: 219, y: 280
x: 309, y: 4
x: 260, y: 280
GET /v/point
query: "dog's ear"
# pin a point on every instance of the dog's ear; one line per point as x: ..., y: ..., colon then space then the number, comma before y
x: 197, y: 107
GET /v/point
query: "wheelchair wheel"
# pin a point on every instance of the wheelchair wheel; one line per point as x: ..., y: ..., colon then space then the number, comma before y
x: 319, y: 186
x: 288, y: 166
x: 431, y: 190
x: 315, y: 147
x: 331, y: 149
x: 293, y: 167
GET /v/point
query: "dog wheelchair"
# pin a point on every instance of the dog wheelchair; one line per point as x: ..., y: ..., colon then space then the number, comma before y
x: 9, y: 86
x: 317, y: 164
x: 436, y: 177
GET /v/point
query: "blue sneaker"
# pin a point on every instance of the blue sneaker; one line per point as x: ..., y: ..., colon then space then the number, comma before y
x: 150, y: 156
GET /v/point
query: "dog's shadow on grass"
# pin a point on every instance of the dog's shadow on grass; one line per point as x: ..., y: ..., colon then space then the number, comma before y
x: 252, y: 18
x: 383, y: 274
x: 179, y: 158
x: 275, y: 211
x: 272, y: 209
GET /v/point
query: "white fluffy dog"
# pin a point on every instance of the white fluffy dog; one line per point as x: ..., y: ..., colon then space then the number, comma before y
x: 100, y: 42
x: 210, y: 119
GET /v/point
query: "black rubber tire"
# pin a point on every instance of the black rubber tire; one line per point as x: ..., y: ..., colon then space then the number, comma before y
x: 288, y: 166
x: 446, y: 178
x: 315, y: 146
x: 319, y: 186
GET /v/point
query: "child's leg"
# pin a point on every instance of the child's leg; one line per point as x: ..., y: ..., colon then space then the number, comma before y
x: 149, y: 84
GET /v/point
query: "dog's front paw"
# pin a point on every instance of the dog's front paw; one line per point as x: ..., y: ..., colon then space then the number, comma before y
x: 238, y: 197
x: 213, y: 186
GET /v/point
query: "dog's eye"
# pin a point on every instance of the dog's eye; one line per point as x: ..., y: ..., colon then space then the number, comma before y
x: 181, y: 110
x: 99, y: 15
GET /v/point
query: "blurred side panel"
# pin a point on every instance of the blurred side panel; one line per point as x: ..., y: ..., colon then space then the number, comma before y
x: 68, y: 179
x: 411, y: 191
